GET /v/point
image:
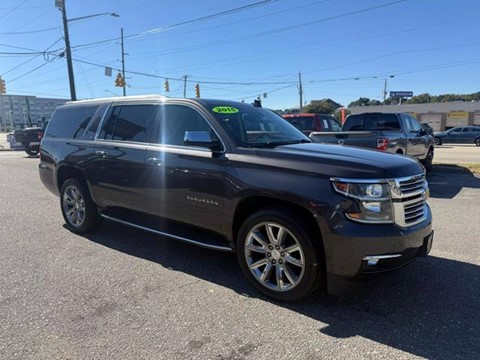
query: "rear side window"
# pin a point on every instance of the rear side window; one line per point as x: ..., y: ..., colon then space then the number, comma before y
x: 130, y: 123
x: 91, y: 130
x: 70, y: 121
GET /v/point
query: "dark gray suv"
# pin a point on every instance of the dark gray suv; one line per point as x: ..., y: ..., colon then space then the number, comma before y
x: 232, y: 177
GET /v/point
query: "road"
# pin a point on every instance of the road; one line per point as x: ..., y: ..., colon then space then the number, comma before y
x: 124, y: 294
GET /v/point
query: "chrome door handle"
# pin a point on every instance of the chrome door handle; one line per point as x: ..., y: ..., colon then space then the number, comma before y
x: 155, y: 161
x: 103, y: 154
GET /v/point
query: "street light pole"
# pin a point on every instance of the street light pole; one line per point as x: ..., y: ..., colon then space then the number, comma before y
x: 68, y: 52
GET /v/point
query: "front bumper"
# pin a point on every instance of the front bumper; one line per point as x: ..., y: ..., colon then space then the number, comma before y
x: 356, y: 252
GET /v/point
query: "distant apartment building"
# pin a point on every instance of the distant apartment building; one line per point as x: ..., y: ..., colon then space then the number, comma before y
x: 19, y: 111
x: 440, y: 116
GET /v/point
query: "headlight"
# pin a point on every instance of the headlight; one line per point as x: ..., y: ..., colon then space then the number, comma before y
x: 373, y: 200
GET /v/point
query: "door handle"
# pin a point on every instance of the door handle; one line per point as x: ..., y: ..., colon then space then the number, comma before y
x: 155, y: 161
x: 102, y: 154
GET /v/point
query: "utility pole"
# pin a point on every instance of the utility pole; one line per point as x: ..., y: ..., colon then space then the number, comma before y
x: 68, y: 52
x: 385, y: 91
x: 185, y: 86
x: 123, y: 66
x: 300, y: 91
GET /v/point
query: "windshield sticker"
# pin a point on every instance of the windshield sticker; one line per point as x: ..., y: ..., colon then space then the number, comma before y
x: 225, y: 110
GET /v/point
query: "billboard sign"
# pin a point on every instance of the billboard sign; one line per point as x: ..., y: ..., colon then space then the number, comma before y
x: 401, y: 94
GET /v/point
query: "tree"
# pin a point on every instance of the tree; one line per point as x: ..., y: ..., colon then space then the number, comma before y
x: 364, y: 101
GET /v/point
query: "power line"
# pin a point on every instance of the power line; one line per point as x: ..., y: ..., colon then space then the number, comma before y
x: 33, y: 58
x: 31, y: 71
x: 200, y: 19
x: 275, y: 31
x: 13, y: 9
x: 30, y: 32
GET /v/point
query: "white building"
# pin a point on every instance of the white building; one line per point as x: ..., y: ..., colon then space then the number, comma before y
x: 440, y: 116
x: 19, y: 111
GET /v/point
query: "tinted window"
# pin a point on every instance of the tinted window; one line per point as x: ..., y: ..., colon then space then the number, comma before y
x: 304, y: 123
x: 353, y: 123
x: 130, y: 123
x: 335, y: 126
x: 93, y: 126
x: 175, y: 120
x: 456, y: 130
x: 70, y: 121
x: 372, y: 122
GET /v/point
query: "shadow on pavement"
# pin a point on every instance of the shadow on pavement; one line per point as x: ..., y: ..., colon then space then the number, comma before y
x: 446, y: 181
x: 429, y: 309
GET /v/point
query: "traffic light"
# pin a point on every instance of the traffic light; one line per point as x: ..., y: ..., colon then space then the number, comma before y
x: 3, y: 90
x: 197, y: 91
x: 119, y: 80
x: 166, y: 86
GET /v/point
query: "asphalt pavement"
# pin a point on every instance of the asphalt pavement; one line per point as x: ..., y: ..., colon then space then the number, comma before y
x: 122, y: 293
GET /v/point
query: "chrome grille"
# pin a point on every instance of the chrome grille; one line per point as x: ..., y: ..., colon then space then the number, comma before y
x: 409, y: 199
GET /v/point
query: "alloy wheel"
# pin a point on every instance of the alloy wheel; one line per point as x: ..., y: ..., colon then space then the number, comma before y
x: 74, y: 206
x: 274, y: 256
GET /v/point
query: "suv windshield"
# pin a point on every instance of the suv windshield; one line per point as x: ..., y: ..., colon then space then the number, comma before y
x: 256, y: 127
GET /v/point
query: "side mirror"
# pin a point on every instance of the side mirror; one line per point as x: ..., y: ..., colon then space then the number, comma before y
x: 201, y: 139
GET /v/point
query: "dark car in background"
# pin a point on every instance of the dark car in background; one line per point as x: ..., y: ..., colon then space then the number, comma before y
x: 458, y: 135
x: 309, y: 123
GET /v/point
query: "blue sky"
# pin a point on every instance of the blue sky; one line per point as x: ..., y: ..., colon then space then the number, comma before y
x: 239, y: 49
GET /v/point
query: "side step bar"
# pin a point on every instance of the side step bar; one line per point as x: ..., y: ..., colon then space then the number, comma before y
x: 158, y: 232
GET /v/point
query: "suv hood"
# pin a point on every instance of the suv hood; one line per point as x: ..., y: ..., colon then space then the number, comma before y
x: 341, y: 161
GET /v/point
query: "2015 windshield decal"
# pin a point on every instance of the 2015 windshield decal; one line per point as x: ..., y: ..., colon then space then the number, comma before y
x: 225, y: 110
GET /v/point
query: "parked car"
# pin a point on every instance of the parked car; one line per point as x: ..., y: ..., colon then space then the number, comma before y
x: 30, y: 139
x: 458, y: 135
x: 232, y: 177
x: 309, y: 123
x: 397, y: 133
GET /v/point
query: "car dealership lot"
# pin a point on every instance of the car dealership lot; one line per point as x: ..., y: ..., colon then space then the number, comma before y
x: 123, y: 293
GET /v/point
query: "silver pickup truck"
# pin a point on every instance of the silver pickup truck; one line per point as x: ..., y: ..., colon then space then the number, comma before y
x: 397, y: 133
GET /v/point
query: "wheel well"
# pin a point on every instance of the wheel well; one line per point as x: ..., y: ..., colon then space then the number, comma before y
x: 399, y: 151
x: 67, y: 172
x: 253, y: 204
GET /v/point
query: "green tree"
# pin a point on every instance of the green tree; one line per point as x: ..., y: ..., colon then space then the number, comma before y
x: 318, y: 109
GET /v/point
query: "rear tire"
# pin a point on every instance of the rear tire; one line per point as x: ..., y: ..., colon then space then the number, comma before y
x: 78, y: 209
x: 32, y: 151
x: 477, y: 141
x: 276, y: 253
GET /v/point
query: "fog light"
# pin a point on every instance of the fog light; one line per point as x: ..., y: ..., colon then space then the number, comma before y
x: 372, y: 262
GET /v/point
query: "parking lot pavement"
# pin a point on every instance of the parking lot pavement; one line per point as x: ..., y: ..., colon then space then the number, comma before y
x: 125, y: 294
x: 455, y: 154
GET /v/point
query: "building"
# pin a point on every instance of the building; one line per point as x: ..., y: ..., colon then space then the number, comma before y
x: 440, y: 116
x: 19, y: 111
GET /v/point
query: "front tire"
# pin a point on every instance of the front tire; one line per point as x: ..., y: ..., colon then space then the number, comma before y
x: 477, y: 141
x: 78, y: 209
x: 437, y: 141
x: 277, y: 255
x: 428, y: 161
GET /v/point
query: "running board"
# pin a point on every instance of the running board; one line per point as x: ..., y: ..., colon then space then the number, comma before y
x: 162, y: 233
